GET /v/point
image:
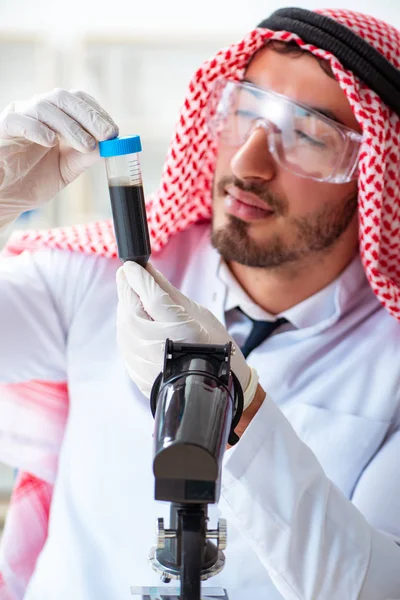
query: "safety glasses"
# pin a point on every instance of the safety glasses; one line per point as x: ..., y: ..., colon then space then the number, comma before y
x: 300, y: 139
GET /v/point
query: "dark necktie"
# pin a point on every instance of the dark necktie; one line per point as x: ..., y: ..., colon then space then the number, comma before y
x: 259, y: 332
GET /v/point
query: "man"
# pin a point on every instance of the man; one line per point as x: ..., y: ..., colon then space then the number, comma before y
x: 278, y: 148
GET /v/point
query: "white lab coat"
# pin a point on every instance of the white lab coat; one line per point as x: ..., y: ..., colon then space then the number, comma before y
x: 336, y: 381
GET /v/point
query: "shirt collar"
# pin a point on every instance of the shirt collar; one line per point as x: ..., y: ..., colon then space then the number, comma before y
x: 320, y: 310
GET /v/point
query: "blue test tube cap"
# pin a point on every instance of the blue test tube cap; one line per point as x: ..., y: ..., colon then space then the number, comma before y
x: 120, y: 145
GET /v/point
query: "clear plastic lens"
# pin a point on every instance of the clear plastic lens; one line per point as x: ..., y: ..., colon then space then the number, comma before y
x: 301, y: 140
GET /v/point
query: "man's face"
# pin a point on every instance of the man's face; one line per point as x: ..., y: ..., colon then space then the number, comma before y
x: 303, y: 217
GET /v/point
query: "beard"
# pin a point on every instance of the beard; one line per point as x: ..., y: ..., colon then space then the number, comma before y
x: 314, y: 234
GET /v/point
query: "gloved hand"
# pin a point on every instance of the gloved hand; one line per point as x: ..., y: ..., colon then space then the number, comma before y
x: 150, y: 310
x: 45, y: 143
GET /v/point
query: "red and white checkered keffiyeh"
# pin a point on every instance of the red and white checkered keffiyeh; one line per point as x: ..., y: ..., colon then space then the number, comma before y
x: 184, y: 198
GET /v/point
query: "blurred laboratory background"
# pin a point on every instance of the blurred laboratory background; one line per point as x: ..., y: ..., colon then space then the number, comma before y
x: 136, y: 58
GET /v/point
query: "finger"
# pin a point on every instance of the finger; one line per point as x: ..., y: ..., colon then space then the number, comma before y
x: 156, y: 301
x: 138, y: 334
x: 18, y: 125
x: 144, y: 382
x: 94, y: 104
x: 68, y: 129
x: 73, y: 162
x: 137, y: 355
x: 192, y: 308
x: 81, y: 108
x: 129, y: 301
x: 171, y: 290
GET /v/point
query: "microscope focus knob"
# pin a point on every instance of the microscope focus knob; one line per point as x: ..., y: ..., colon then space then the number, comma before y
x: 222, y: 534
x: 219, y: 534
x: 160, y: 534
x: 163, y: 534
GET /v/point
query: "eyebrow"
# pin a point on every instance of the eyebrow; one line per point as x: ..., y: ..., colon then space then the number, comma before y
x: 327, y: 113
x: 322, y: 111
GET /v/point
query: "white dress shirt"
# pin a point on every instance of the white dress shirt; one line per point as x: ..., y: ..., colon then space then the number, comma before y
x: 312, y: 310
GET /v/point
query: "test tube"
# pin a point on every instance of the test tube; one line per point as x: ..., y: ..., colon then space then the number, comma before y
x: 127, y: 197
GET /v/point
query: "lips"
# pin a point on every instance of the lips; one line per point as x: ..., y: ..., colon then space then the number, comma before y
x: 247, y: 198
x: 246, y: 206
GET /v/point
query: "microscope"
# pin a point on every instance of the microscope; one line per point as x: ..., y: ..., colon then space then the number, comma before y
x: 197, y: 402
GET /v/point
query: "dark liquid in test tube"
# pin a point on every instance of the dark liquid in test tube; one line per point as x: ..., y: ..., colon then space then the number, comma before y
x: 130, y: 223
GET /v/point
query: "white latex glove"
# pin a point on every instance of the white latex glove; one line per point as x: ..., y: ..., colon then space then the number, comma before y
x: 150, y: 310
x: 45, y: 143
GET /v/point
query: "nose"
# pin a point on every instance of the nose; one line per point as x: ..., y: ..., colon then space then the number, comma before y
x: 254, y: 159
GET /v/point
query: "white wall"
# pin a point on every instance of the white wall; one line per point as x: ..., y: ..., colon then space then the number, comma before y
x: 63, y: 19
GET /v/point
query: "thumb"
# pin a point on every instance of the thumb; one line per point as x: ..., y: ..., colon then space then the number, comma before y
x: 156, y: 301
x: 73, y: 162
x: 172, y: 291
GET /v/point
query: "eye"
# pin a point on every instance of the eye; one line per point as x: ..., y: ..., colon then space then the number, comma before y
x: 310, y: 140
x: 245, y: 114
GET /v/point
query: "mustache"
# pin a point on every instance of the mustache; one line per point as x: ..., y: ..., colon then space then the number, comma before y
x: 258, y: 189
